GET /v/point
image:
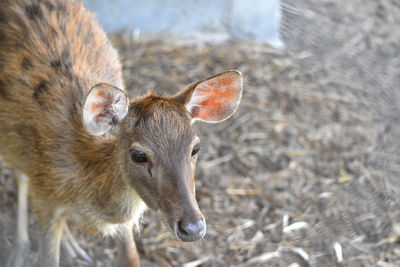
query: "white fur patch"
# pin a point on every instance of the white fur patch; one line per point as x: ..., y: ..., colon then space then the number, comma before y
x: 117, y: 229
x: 95, y: 219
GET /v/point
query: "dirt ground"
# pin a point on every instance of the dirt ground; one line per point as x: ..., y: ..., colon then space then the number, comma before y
x: 306, y: 172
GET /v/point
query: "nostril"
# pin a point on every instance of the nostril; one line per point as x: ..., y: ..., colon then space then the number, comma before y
x: 182, y: 229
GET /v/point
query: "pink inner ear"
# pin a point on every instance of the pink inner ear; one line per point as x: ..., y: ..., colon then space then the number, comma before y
x: 216, y: 97
x: 102, y: 101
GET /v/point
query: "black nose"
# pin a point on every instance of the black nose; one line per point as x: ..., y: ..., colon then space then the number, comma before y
x: 191, y: 231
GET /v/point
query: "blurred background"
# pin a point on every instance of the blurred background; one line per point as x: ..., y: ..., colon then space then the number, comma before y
x: 306, y: 172
x: 192, y: 20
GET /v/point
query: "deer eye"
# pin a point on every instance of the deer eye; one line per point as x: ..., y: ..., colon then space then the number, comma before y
x: 195, y: 150
x: 138, y: 156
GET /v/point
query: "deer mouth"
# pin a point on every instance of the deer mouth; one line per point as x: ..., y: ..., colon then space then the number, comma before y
x: 188, y: 228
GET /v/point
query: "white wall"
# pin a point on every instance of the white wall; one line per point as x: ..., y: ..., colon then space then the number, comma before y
x: 204, y: 20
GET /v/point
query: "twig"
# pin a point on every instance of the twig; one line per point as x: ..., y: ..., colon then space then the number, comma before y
x: 196, y: 263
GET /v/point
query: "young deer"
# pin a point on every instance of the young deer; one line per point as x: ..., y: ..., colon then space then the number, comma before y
x: 84, y: 149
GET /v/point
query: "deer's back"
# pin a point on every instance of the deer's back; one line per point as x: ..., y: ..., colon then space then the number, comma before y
x: 51, y: 53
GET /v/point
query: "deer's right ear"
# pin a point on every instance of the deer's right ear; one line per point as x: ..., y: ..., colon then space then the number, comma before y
x: 105, y: 106
x: 213, y: 99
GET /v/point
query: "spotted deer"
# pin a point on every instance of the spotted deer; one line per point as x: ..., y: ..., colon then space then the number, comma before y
x: 80, y: 147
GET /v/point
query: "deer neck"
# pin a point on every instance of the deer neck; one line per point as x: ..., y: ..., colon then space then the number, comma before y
x: 115, y: 199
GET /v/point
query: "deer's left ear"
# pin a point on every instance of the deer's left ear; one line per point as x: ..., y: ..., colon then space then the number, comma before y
x: 105, y: 106
x: 214, y: 99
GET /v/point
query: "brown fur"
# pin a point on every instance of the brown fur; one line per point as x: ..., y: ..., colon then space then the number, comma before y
x: 52, y: 53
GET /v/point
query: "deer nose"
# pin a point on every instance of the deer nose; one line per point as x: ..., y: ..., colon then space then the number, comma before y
x: 191, y: 231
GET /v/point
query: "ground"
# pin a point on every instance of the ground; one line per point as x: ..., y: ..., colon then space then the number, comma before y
x: 306, y: 171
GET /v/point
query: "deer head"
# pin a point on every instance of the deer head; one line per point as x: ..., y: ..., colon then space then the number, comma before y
x: 157, y: 148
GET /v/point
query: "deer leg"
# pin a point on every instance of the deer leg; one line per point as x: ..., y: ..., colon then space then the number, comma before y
x: 21, y: 242
x: 127, y: 252
x: 71, y: 247
x: 50, y: 239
